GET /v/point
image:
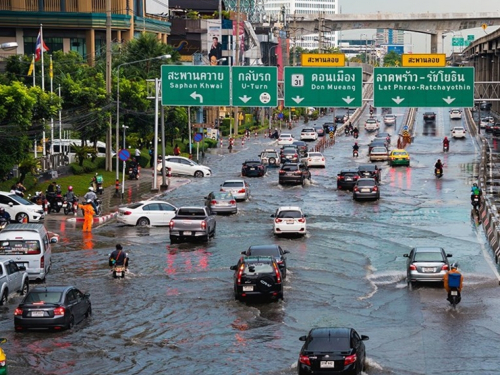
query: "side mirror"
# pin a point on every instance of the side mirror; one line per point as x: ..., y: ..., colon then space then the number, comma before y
x: 303, y: 338
x: 21, y: 268
x: 272, y: 215
x: 286, y: 252
x: 54, y: 240
x: 405, y: 255
x: 364, y: 337
x: 305, y: 215
x: 244, y: 253
x: 449, y: 255
x: 87, y: 295
x: 233, y: 268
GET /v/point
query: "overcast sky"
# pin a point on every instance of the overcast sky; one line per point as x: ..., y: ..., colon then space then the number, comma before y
x: 421, y: 43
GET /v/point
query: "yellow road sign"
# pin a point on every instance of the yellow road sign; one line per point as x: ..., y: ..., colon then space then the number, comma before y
x: 424, y: 59
x: 484, y: 26
x: 331, y: 134
x: 324, y: 59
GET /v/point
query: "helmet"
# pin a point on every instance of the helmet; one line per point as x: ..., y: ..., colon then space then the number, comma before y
x: 119, y: 247
x: 454, y: 266
x: 2, y: 209
x: 355, y: 143
x: 70, y: 188
x: 445, y: 138
x: 474, y: 184
x: 439, y: 161
x: 89, y: 200
x: 91, y: 188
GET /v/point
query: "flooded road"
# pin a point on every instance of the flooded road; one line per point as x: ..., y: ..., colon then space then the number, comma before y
x: 176, y: 313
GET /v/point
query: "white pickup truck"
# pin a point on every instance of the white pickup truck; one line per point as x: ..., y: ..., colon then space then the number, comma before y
x: 13, y: 278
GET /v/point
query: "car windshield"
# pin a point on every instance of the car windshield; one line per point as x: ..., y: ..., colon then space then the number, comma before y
x: 289, y: 215
x: 366, y: 182
x: 307, y: 130
x: 289, y: 151
x: 285, y: 135
x: 264, y: 251
x: 191, y: 212
x: 428, y: 257
x: 315, y: 154
x: 349, y: 174
x: 254, y: 268
x: 230, y: 184
x: 290, y: 167
x: 223, y: 195
x: 379, y: 149
x: 46, y: 297
x: 400, y: 153
x: 370, y: 168
x: 329, y: 344
x: 252, y: 163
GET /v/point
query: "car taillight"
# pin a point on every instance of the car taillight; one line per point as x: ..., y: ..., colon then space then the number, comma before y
x: 309, y: 159
x: 240, y: 272
x: 213, y: 201
x: 375, y: 188
x: 304, y: 359
x: 59, y: 311
x: 18, y: 311
x: 355, y: 188
x: 2, y: 363
x: 127, y: 212
x: 297, y: 172
x: 413, y: 267
x: 42, y: 261
x: 444, y: 268
x: 350, y: 359
x: 282, y: 172
x: 295, y: 155
x: 241, y: 191
x: 203, y: 224
x: 171, y: 224
x: 278, y: 274
x: 221, y: 189
x: 340, y: 177
x: 356, y: 177
x: 277, y: 220
x: 322, y: 159
x: 302, y: 220
x: 279, y: 139
x: 232, y: 201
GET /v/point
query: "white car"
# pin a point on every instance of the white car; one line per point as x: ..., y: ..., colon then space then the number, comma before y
x: 486, y: 121
x: 389, y: 119
x: 314, y: 159
x: 285, y: 139
x: 379, y: 154
x: 289, y: 220
x: 308, y: 134
x: 455, y: 114
x: 239, y: 188
x: 20, y: 209
x: 458, y: 132
x: 146, y: 213
x: 181, y: 166
x: 371, y: 125
x: 270, y: 157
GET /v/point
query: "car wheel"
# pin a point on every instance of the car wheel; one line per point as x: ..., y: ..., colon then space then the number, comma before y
x: 21, y: 217
x: 303, y: 182
x: 25, y: 289
x: 142, y: 222
x: 265, y: 284
x: 198, y: 174
x: 272, y: 161
x: 4, y: 298
x: 88, y: 314
x: 213, y: 232
x: 71, y: 322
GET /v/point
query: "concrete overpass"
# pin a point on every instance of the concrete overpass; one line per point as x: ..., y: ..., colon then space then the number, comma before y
x: 434, y: 24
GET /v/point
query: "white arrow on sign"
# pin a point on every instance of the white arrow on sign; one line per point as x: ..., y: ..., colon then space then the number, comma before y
x: 449, y: 100
x: 245, y: 98
x: 194, y: 95
x: 297, y: 99
x: 348, y: 100
x: 398, y: 100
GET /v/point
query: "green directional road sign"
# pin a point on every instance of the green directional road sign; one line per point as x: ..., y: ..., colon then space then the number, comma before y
x: 457, y: 42
x: 423, y: 87
x: 255, y: 86
x: 199, y: 85
x: 323, y: 87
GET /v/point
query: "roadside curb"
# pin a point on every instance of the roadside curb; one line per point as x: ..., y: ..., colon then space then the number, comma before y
x: 97, y: 220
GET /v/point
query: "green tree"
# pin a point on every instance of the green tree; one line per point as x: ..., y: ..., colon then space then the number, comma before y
x: 392, y: 58
x: 28, y: 165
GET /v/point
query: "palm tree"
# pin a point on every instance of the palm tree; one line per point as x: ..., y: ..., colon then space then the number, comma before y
x: 28, y: 165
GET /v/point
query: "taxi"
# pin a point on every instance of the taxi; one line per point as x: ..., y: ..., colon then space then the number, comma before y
x: 399, y: 157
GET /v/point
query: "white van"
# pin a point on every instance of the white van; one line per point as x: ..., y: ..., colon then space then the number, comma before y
x: 64, y: 146
x: 29, y: 246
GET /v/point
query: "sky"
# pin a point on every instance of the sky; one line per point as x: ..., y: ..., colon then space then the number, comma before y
x: 421, y: 42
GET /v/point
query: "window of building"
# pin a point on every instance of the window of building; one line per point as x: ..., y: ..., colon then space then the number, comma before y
x: 54, y: 44
x: 78, y: 45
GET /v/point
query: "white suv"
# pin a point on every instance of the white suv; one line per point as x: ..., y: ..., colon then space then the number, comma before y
x: 20, y: 209
x: 270, y: 157
x: 181, y: 166
x: 289, y: 220
x: 308, y: 134
x: 455, y: 114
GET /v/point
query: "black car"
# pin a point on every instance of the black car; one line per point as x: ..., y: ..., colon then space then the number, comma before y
x: 346, y: 179
x: 340, y: 119
x: 289, y: 154
x: 270, y: 250
x: 253, y: 168
x: 370, y: 171
x: 366, y: 188
x: 302, y: 147
x: 429, y: 116
x: 52, y: 307
x: 377, y: 142
x: 327, y: 126
x: 294, y: 173
x: 332, y: 350
x: 320, y: 130
x: 257, y: 276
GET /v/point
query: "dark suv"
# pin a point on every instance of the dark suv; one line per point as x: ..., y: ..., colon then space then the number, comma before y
x: 328, y: 125
x: 302, y: 147
x: 294, y: 173
x: 270, y: 250
x: 346, y: 179
x: 257, y: 276
x: 370, y: 171
x: 429, y: 116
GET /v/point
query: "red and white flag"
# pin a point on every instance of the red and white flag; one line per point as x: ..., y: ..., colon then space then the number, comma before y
x: 40, y: 46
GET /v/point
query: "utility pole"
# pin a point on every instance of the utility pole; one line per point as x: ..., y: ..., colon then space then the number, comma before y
x: 320, y: 35
x: 109, y: 157
x: 294, y: 39
x: 237, y: 62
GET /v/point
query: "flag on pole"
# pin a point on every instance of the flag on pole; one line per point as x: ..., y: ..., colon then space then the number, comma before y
x: 32, y: 66
x: 40, y: 46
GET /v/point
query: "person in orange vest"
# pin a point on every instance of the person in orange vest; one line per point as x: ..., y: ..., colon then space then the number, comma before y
x: 88, y: 215
x: 117, y: 187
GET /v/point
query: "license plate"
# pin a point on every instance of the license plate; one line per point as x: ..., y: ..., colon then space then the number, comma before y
x: 248, y: 288
x: 454, y: 293
x: 365, y: 190
x: 428, y: 269
x: 327, y: 364
x: 65, y: 205
x: 223, y: 204
x: 118, y: 273
x: 252, y: 169
x: 290, y: 221
x: 37, y: 313
x: 348, y: 179
x: 187, y: 233
x: 59, y: 203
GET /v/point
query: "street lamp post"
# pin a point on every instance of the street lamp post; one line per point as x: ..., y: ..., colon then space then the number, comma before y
x: 117, y: 134
x: 8, y: 46
x: 123, y: 169
x: 366, y: 46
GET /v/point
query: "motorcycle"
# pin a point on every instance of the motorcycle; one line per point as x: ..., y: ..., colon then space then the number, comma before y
x: 3, y: 223
x: 98, y: 206
x: 55, y: 200
x: 346, y: 130
x: 446, y: 147
x: 355, y: 135
x: 454, y: 297
x: 133, y: 173
x: 438, y: 172
x: 41, y: 200
x: 476, y: 202
x: 70, y: 207
x: 354, y: 153
x: 96, y: 183
x: 119, y: 270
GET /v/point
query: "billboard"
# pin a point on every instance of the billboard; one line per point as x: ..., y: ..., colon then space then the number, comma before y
x: 398, y: 48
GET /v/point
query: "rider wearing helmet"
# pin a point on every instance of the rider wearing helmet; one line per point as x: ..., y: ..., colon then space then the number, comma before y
x: 355, y: 147
x: 453, y: 279
x: 446, y: 142
x: 4, y: 214
x: 70, y: 196
x: 90, y: 195
x: 475, y: 189
x: 439, y: 166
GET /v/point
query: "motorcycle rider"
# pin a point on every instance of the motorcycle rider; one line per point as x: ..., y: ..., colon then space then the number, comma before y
x: 355, y: 148
x: 70, y: 197
x: 476, y: 190
x: 118, y: 257
x: 90, y: 195
x: 446, y: 143
x: 355, y: 131
x: 135, y: 167
x: 4, y: 214
x: 438, y: 166
x: 449, y: 282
